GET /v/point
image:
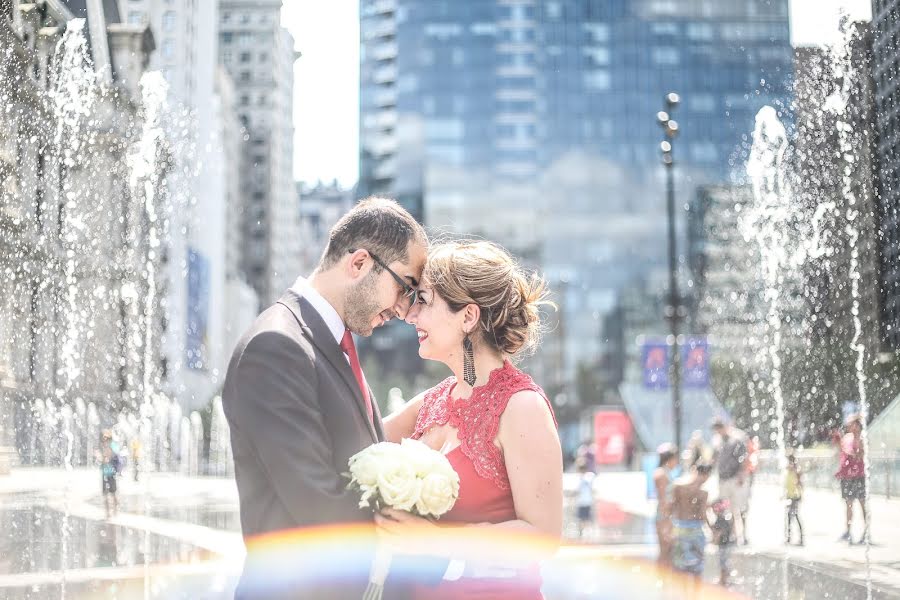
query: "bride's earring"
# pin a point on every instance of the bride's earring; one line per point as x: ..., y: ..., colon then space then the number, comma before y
x: 468, y: 361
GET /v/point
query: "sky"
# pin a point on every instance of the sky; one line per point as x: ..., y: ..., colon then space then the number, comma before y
x: 326, y: 77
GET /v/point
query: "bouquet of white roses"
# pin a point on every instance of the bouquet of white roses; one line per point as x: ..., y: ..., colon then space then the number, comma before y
x: 408, y: 476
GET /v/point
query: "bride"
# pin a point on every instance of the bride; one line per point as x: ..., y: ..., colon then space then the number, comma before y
x: 476, y: 311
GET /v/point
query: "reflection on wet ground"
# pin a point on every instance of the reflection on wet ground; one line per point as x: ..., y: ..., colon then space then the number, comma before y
x: 755, y: 575
x: 205, y: 511
x: 98, y: 559
x: 104, y: 560
x: 611, y: 525
x: 763, y: 578
x: 585, y: 573
x: 41, y: 539
x: 204, y: 586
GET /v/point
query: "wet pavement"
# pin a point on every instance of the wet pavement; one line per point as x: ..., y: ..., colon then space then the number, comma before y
x: 764, y: 578
x: 204, y: 511
x: 39, y: 539
x: 611, y: 525
x: 202, y: 586
x: 177, y: 538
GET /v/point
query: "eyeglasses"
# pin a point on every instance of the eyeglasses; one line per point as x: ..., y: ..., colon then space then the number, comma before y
x: 409, y: 292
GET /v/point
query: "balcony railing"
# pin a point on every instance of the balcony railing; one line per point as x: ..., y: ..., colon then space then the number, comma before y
x: 385, y: 74
x: 385, y: 98
x: 385, y: 51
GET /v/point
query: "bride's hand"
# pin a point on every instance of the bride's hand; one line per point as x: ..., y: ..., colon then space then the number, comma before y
x: 404, y: 532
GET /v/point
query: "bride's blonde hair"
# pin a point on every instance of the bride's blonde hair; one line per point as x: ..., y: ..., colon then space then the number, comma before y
x: 485, y: 274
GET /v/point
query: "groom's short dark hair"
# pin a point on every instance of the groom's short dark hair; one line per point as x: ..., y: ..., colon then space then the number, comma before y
x: 378, y: 225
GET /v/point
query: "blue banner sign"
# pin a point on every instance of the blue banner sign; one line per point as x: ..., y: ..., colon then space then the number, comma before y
x: 695, y: 362
x: 197, y: 338
x: 655, y: 365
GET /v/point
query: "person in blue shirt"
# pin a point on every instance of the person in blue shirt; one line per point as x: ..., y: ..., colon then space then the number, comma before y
x: 109, y: 469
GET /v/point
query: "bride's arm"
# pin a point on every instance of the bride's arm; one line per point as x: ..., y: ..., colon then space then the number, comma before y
x: 533, y: 458
x: 402, y: 424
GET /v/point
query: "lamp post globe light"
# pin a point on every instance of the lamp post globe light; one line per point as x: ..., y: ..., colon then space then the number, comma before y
x: 673, y: 311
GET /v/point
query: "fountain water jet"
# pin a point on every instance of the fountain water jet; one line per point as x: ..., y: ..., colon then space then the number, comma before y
x: 834, y: 225
x: 73, y: 94
x: 766, y: 223
x: 839, y: 103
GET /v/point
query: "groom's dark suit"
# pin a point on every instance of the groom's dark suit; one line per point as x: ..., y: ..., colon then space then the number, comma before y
x: 296, y: 415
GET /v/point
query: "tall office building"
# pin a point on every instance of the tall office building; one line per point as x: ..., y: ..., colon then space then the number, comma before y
x: 259, y: 55
x: 885, y: 29
x: 181, y: 28
x: 533, y: 123
x: 321, y: 206
x: 727, y: 301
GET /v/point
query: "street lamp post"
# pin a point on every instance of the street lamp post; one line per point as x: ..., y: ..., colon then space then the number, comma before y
x: 673, y: 309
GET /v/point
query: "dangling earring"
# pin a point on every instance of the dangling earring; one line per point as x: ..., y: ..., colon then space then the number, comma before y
x: 468, y: 361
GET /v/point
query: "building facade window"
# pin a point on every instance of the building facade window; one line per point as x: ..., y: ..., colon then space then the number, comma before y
x: 701, y: 102
x: 597, y: 80
x: 169, y: 20
x: 168, y: 48
x: 665, y: 56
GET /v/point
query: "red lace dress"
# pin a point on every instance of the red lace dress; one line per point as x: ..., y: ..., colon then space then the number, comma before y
x: 484, y: 491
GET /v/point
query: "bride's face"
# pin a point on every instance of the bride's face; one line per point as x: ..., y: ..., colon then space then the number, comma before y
x: 440, y: 330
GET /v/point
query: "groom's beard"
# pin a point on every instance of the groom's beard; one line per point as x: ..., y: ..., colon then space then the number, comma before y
x: 361, y: 306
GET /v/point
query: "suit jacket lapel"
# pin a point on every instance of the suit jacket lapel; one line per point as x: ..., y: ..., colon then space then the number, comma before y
x: 315, y: 328
x: 379, y: 424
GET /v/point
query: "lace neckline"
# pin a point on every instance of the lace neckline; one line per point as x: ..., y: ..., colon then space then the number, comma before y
x: 476, y: 418
x: 492, y: 376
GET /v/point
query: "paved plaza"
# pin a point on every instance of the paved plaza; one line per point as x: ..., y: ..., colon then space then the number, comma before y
x: 179, y: 537
x: 822, y: 514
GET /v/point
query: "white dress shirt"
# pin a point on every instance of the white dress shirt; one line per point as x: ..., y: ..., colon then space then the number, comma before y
x: 323, y: 307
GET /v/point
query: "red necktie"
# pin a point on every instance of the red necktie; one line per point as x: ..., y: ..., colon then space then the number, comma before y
x: 349, y: 349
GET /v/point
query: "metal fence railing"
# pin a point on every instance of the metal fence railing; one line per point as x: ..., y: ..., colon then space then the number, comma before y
x: 819, y: 465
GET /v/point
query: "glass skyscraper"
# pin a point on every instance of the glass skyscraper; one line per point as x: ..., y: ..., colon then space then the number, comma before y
x: 533, y: 123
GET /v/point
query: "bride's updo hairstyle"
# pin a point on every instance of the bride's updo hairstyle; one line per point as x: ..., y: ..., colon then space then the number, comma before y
x: 485, y: 274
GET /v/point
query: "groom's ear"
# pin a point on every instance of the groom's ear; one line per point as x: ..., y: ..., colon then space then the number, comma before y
x: 356, y: 264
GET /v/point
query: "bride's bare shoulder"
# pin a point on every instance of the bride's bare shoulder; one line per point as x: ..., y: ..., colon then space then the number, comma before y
x: 527, y: 410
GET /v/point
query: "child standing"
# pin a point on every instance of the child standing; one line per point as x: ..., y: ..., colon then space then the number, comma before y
x: 793, y: 492
x: 585, y: 498
x: 688, y: 516
x: 109, y: 469
x: 662, y: 480
x: 722, y: 527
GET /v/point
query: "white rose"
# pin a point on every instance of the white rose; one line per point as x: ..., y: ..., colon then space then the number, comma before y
x: 397, y: 484
x: 364, y: 465
x: 420, y: 456
x: 438, y: 494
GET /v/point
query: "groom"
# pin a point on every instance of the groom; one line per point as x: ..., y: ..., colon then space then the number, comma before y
x: 299, y: 406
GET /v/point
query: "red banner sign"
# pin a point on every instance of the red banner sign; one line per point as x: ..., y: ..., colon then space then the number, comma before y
x: 613, y: 435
